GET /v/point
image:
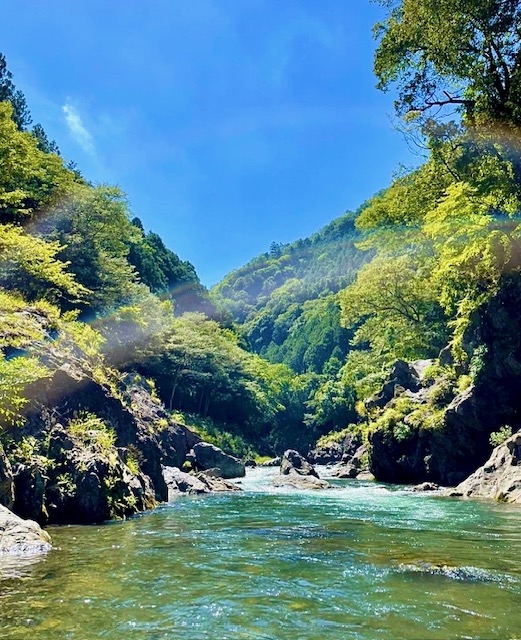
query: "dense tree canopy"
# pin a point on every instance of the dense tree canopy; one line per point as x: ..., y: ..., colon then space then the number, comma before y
x: 464, y: 53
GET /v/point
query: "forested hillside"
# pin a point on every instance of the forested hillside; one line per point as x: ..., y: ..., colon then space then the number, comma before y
x: 311, y: 337
x: 107, y: 346
x: 440, y: 276
x: 285, y: 300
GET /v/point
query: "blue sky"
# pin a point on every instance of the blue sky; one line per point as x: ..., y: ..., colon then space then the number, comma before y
x: 230, y: 124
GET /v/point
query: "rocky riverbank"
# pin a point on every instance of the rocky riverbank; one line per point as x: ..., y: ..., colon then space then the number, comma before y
x: 499, y: 478
x: 21, y: 537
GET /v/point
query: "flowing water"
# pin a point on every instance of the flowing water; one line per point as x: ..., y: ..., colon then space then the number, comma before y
x: 361, y: 561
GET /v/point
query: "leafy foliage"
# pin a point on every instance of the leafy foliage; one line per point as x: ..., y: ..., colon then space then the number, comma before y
x: 15, y: 375
x: 453, y: 52
x: 284, y: 300
x: 31, y: 180
x: 166, y: 274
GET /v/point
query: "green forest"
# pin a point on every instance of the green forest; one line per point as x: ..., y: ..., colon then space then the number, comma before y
x: 302, y: 342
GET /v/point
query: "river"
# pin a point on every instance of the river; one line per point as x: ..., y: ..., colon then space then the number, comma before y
x: 359, y: 561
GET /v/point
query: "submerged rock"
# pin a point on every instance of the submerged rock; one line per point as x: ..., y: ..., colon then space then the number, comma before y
x: 296, y: 481
x: 21, y: 537
x: 426, y: 486
x: 499, y: 478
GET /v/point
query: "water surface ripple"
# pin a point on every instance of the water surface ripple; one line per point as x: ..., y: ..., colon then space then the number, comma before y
x: 362, y: 561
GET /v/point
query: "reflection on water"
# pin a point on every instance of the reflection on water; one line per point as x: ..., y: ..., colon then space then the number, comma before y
x: 360, y: 561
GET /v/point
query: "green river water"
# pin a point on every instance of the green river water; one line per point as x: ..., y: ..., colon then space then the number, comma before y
x: 361, y: 561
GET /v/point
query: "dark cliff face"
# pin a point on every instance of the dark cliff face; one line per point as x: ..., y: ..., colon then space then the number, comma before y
x: 97, y: 473
x: 446, y: 453
x: 496, y: 337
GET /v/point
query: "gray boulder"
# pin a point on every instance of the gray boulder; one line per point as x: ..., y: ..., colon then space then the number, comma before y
x: 21, y: 537
x: 296, y: 481
x: 293, y: 462
x: 216, y: 484
x: 180, y: 483
x: 207, y: 456
x: 297, y: 473
x: 354, y: 465
x: 499, y: 478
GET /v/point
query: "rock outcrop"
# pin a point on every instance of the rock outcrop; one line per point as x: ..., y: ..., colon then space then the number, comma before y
x: 352, y: 466
x: 21, y: 537
x: 403, y: 376
x: 68, y: 478
x: 81, y: 481
x: 499, y: 478
x: 443, y: 435
x: 336, y: 452
x: 205, y: 456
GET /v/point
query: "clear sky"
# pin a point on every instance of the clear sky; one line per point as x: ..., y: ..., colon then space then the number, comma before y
x: 230, y: 124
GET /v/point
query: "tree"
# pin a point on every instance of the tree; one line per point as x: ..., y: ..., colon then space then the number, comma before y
x: 166, y: 274
x: 395, y: 307
x: 453, y: 53
x: 30, y: 180
x: 93, y: 228
x: 8, y: 93
x: 31, y: 266
x: 44, y: 144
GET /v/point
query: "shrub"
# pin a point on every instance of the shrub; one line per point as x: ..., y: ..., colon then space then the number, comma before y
x: 498, y: 437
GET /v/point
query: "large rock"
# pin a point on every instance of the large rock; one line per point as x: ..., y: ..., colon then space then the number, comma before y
x: 354, y: 465
x: 297, y: 473
x: 499, y: 478
x: 206, y: 456
x: 90, y: 482
x: 66, y: 482
x: 21, y: 537
x: 296, y: 481
x: 6, y: 481
x: 179, y: 482
x: 336, y: 452
x: 293, y: 462
x: 402, y: 377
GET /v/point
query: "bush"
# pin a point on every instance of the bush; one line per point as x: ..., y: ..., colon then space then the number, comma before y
x: 498, y: 437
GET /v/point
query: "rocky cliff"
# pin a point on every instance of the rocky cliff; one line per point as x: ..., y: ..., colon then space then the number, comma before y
x: 499, y: 478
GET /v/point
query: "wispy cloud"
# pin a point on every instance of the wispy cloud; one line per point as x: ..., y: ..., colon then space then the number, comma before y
x: 78, y: 130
